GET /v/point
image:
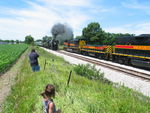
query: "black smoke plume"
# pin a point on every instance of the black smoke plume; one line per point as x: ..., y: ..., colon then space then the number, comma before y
x: 62, y: 32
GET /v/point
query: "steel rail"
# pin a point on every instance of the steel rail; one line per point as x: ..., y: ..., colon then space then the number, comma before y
x: 130, y: 72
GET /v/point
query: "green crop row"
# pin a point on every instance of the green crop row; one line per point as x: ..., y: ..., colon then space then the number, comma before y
x: 9, y: 53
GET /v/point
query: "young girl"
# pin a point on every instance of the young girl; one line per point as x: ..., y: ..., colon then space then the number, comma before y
x: 48, y: 94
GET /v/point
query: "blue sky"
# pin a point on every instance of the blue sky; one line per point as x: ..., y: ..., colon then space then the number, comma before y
x: 19, y: 18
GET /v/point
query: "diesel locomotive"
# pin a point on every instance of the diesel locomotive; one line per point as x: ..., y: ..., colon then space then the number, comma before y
x: 130, y: 50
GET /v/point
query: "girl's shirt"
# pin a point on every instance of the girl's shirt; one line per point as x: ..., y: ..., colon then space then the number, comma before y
x: 46, y: 106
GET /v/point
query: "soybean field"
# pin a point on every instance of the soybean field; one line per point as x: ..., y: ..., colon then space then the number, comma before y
x: 9, y: 53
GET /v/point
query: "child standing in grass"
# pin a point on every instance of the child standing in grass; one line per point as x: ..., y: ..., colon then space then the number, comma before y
x: 48, y: 94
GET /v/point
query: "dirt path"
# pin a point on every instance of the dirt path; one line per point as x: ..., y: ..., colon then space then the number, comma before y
x: 8, y: 79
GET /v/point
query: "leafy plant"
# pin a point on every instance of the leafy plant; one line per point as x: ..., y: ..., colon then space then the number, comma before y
x: 89, y: 71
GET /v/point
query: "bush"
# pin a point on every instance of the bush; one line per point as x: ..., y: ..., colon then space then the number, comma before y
x: 89, y: 71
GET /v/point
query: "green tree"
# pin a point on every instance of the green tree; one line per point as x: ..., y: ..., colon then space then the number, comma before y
x: 93, y: 33
x: 7, y: 41
x: 17, y: 41
x: 12, y: 41
x: 79, y: 37
x: 109, y: 40
x: 29, y: 39
x: 46, y: 40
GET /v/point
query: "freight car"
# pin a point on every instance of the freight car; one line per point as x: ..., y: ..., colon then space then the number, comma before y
x: 133, y: 50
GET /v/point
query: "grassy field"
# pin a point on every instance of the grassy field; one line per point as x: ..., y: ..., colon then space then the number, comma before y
x: 82, y: 95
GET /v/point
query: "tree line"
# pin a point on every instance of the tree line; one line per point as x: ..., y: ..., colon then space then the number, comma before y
x: 10, y: 41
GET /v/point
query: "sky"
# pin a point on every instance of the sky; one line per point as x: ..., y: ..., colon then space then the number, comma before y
x: 19, y: 18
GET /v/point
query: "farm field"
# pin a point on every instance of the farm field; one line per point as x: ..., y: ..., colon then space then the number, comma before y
x: 10, y: 53
x: 81, y: 96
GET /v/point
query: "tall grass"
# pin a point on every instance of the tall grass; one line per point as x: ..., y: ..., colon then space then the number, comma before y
x: 82, y: 95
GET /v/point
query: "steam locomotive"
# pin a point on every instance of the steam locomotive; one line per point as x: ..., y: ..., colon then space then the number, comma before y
x: 130, y: 50
x: 51, y: 44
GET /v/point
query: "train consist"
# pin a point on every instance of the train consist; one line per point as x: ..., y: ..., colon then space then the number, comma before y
x: 133, y: 50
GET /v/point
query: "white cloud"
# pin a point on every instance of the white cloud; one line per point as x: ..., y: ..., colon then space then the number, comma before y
x: 38, y: 19
x: 67, y: 3
x: 135, y: 4
x: 142, y: 28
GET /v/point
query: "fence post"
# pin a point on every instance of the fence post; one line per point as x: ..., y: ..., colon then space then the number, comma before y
x: 45, y: 64
x: 69, y: 78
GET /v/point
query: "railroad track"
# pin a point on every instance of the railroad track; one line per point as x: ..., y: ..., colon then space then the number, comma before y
x: 128, y: 71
